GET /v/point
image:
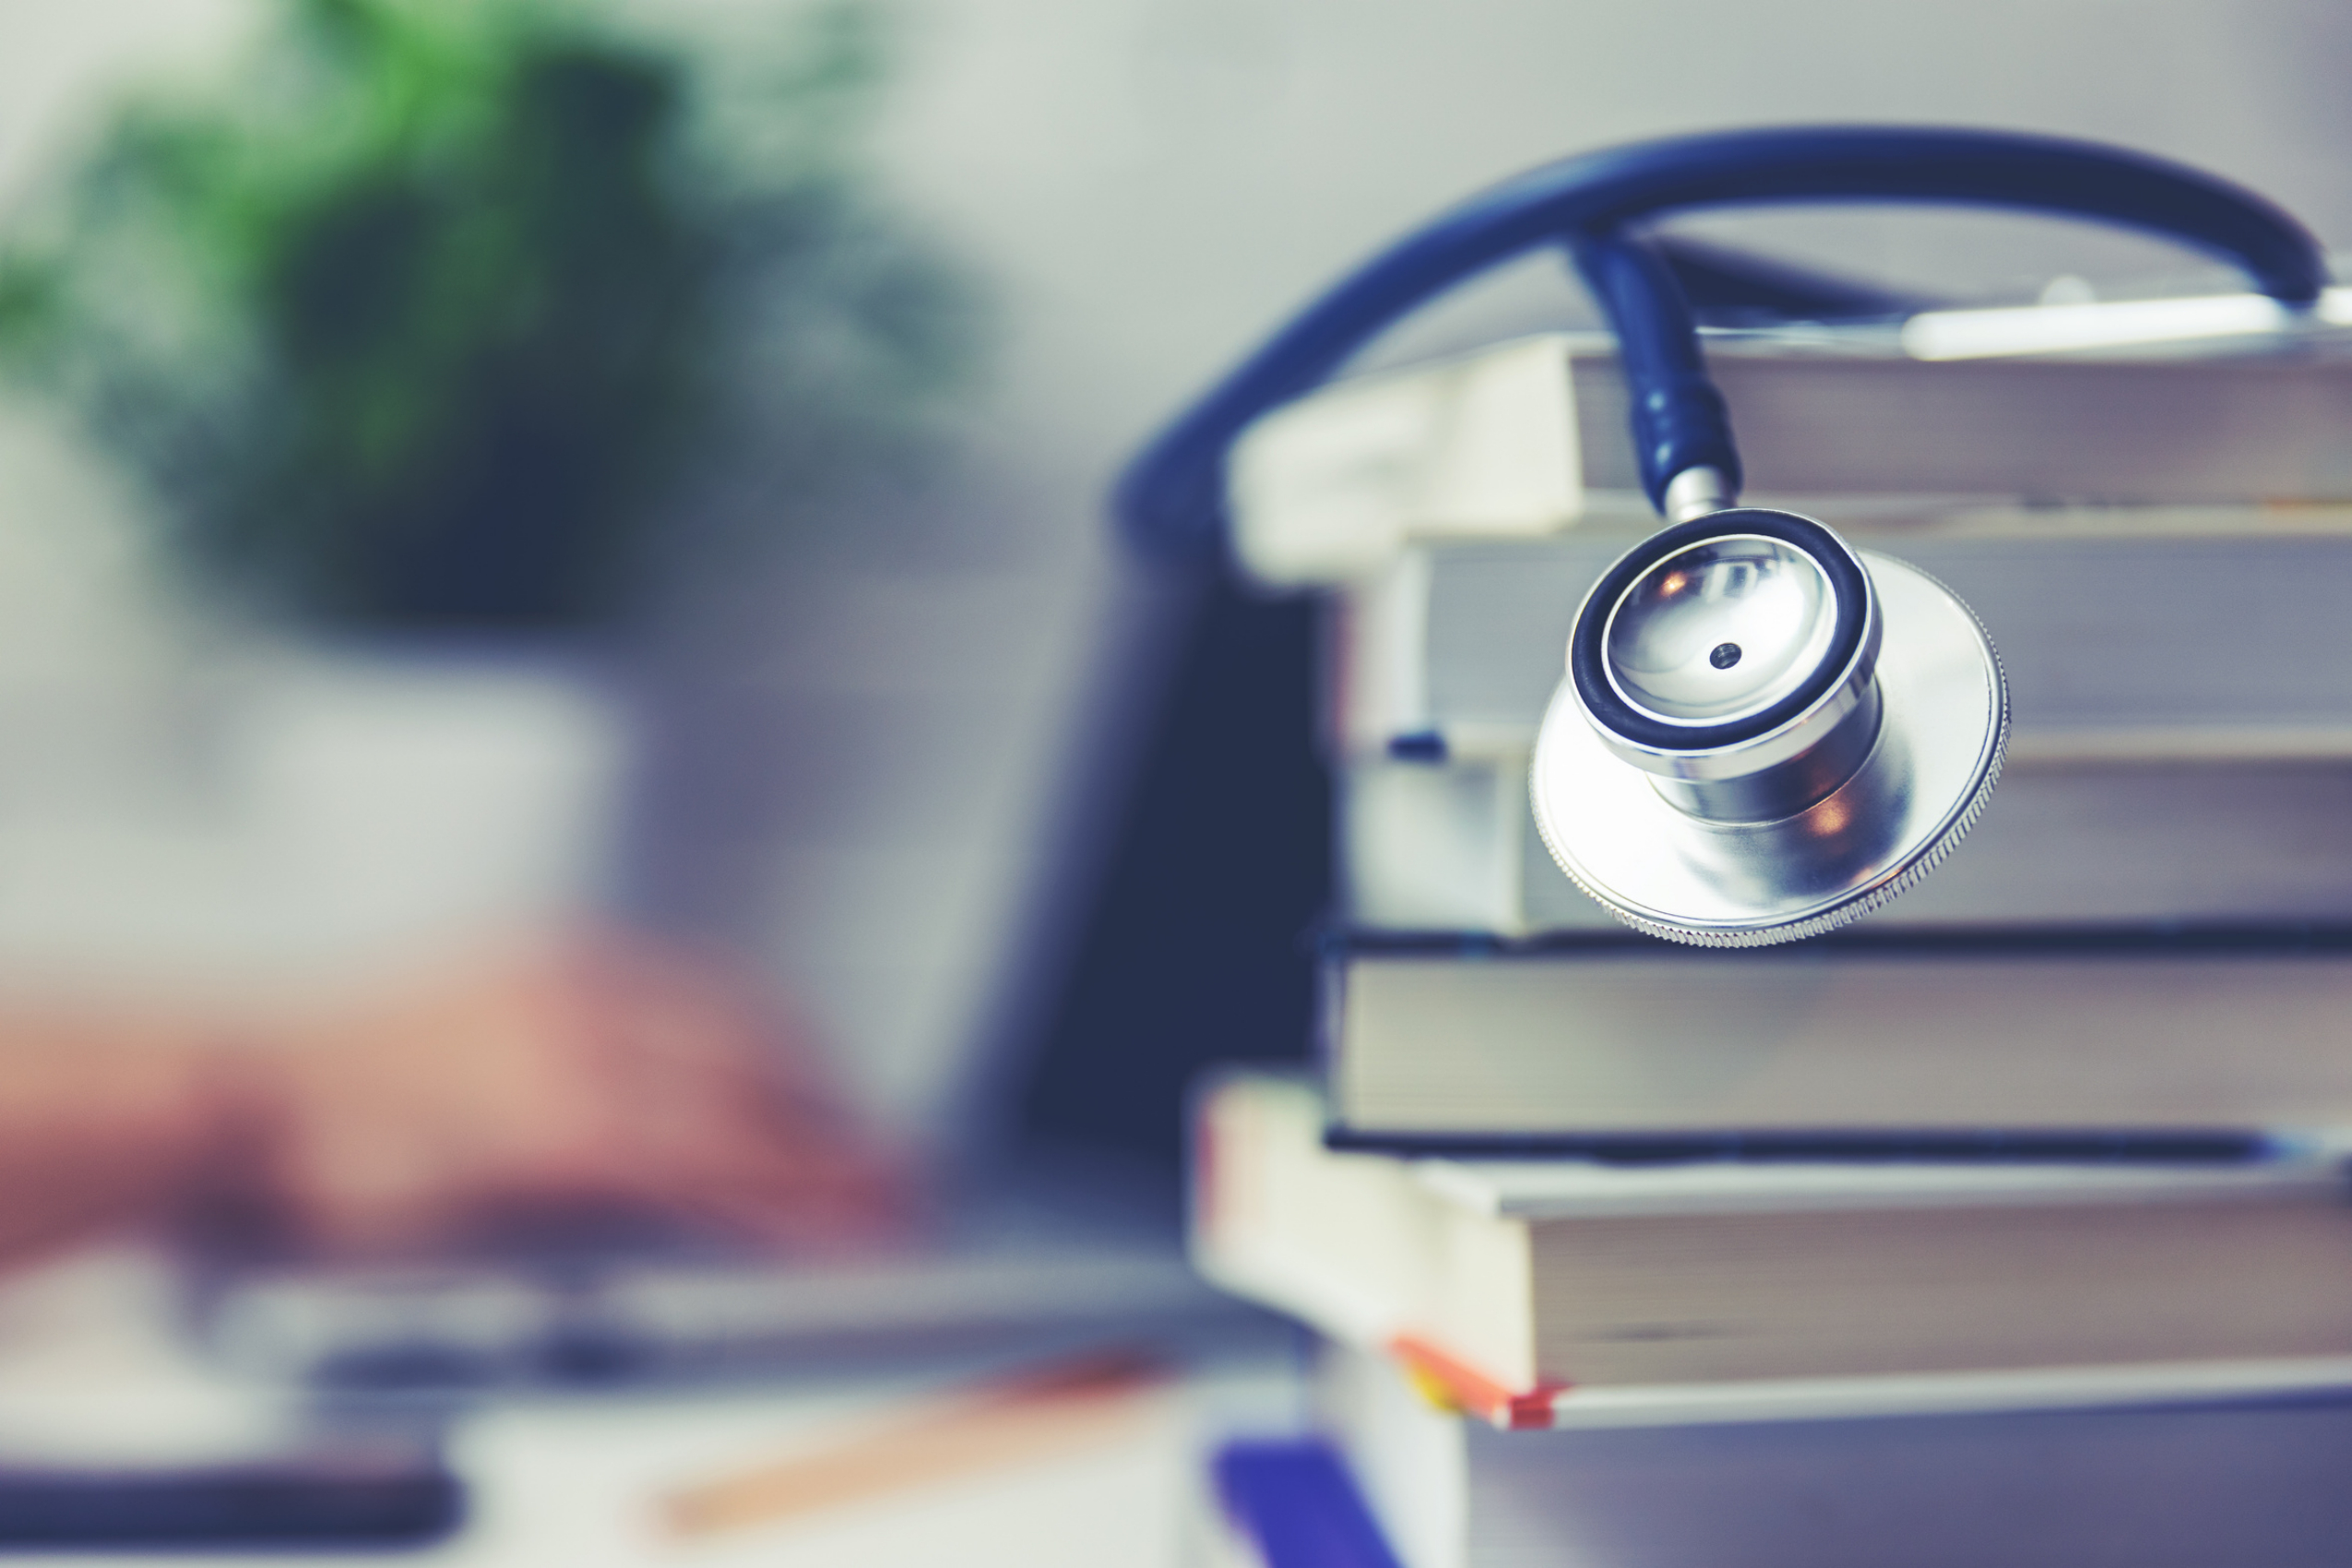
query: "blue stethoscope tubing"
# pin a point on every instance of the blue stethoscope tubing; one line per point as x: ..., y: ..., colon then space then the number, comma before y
x: 1171, y: 501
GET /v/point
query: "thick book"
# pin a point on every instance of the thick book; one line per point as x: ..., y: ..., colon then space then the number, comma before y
x: 2170, y: 1483
x: 1564, y: 1292
x: 1528, y: 437
x: 2127, y: 635
x: 1621, y: 1044
x: 1453, y: 848
x: 2181, y: 747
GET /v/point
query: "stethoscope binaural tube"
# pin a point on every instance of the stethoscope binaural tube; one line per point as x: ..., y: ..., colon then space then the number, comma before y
x: 1762, y: 733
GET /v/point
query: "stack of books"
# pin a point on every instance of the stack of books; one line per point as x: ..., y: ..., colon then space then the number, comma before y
x: 1806, y: 1363
x: 2010, y: 1226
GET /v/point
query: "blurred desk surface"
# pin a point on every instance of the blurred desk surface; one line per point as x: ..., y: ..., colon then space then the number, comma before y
x: 88, y: 1363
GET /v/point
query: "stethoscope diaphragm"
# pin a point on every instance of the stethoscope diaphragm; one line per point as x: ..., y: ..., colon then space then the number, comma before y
x: 1762, y: 733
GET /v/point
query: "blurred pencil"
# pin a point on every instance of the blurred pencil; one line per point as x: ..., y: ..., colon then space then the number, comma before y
x: 1061, y: 1405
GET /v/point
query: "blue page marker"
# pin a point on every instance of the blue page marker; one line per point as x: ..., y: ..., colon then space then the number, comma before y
x: 1295, y: 1500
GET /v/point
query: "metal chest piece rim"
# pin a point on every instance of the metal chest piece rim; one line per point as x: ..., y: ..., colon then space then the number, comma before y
x: 1763, y: 734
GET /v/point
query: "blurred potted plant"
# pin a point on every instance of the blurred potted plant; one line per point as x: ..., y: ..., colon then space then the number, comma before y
x: 415, y: 328
x: 417, y: 331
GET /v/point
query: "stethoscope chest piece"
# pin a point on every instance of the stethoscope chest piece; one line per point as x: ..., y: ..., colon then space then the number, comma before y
x: 1764, y: 734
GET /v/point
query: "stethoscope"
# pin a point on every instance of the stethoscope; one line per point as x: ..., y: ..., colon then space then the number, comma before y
x: 1763, y: 732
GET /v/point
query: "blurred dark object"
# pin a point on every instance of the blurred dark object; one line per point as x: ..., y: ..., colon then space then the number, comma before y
x: 418, y: 325
x: 1196, y: 943
x: 380, y: 1492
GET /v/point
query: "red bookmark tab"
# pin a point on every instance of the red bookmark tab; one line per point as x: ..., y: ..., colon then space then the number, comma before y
x: 1474, y: 1393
